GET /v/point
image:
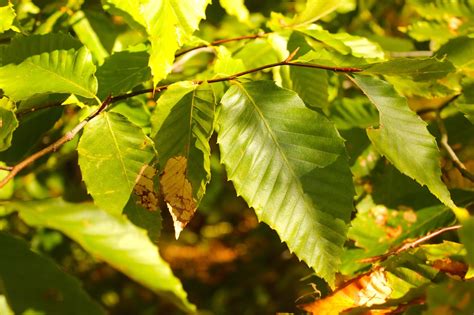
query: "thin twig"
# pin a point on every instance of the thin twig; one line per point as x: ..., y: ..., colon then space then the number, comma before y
x: 220, y: 42
x: 5, y: 168
x: 240, y: 74
x: 410, y: 245
x: 54, y: 146
x: 452, y: 155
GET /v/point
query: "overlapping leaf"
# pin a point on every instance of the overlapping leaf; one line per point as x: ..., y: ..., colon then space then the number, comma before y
x: 121, y: 72
x: 168, y: 23
x: 46, y: 64
x: 401, y: 134
x: 289, y: 164
x: 311, y: 85
x: 182, y: 125
x: 8, y: 123
x: 314, y: 10
x: 114, y: 240
x: 112, y: 153
x: 236, y: 8
x: 33, y: 282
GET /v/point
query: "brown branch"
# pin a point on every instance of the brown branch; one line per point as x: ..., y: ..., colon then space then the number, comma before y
x: 452, y: 155
x: 54, y: 146
x: 220, y: 42
x: 410, y: 245
x: 71, y: 134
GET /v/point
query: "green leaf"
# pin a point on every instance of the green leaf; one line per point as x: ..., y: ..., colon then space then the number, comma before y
x: 401, y: 133
x: 111, y: 239
x: 112, y: 152
x: 8, y: 123
x: 345, y: 43
x: 33, y: 282
x: 7, y: 16
x: 438, y: 9
x: 289, y: 164
x: 47, y: 68
x: 182, y: 124
x: 236, y: 8
x: 418, y: 69
x: 466, y: 102
x: 465, y: 233
x: 315, y: 10
x: 311, y: 85
x: 169, y: 24
x: 354, y: 112
x: 121, y: 72
x: 451, y: 297
x: 84, y: 31
x: 459, y: 51
x: 144, y: 218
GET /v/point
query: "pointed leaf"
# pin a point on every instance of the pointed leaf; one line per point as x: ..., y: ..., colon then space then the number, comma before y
x: 182, y: 126
x: 121, y: 72
x: 7, y: 16
x: 112, y: 152
x: 8, y: 123
x: 289, y: 164
x: 236, y: 8
x: 46, y: 69
x: 401, y: 134
x: 109, y: 238
x: 314, y: 10
x: 419, y: 69
x: 31, y: 281
x: 459, y: 51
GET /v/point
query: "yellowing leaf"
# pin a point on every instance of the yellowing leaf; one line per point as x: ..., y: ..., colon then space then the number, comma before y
x: 178, y: 192
x: 365, y: 290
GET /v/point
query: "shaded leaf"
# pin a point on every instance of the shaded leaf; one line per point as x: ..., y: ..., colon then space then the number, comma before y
x: 121, y: 72
x: 401, y: 133
x: 279, y: 153
x: 467, y: 238
x: 112, y: 152
x: 419, y: 69
x: 182, y: 125
x: 459, y: 51
x: 451, y: 297
x: 311, y: 85
x: 8, y: 123
x: 33, y: 282
x: 109, y: 238
x: 42, y: 64
x: 84, y: 31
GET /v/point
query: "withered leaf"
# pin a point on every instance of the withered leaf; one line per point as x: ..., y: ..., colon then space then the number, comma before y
x: 145, y: 188
x: 178, y: 192
x: 366, y: 290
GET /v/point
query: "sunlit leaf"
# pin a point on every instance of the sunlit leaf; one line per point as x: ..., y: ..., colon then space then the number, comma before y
x: 236, y: 8
x: 7, y: 16
x: 289, y: 164
x: 109, y: 238
x: 401, y: 133
x: 315, y: 10
x: 112, y: 152
x: 42, y: 64
x: 33, y: 282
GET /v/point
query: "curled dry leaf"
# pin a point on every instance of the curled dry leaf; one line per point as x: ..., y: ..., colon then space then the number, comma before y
x: 365, y: 290
x: 145, y: 188
x: 178, y: 192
